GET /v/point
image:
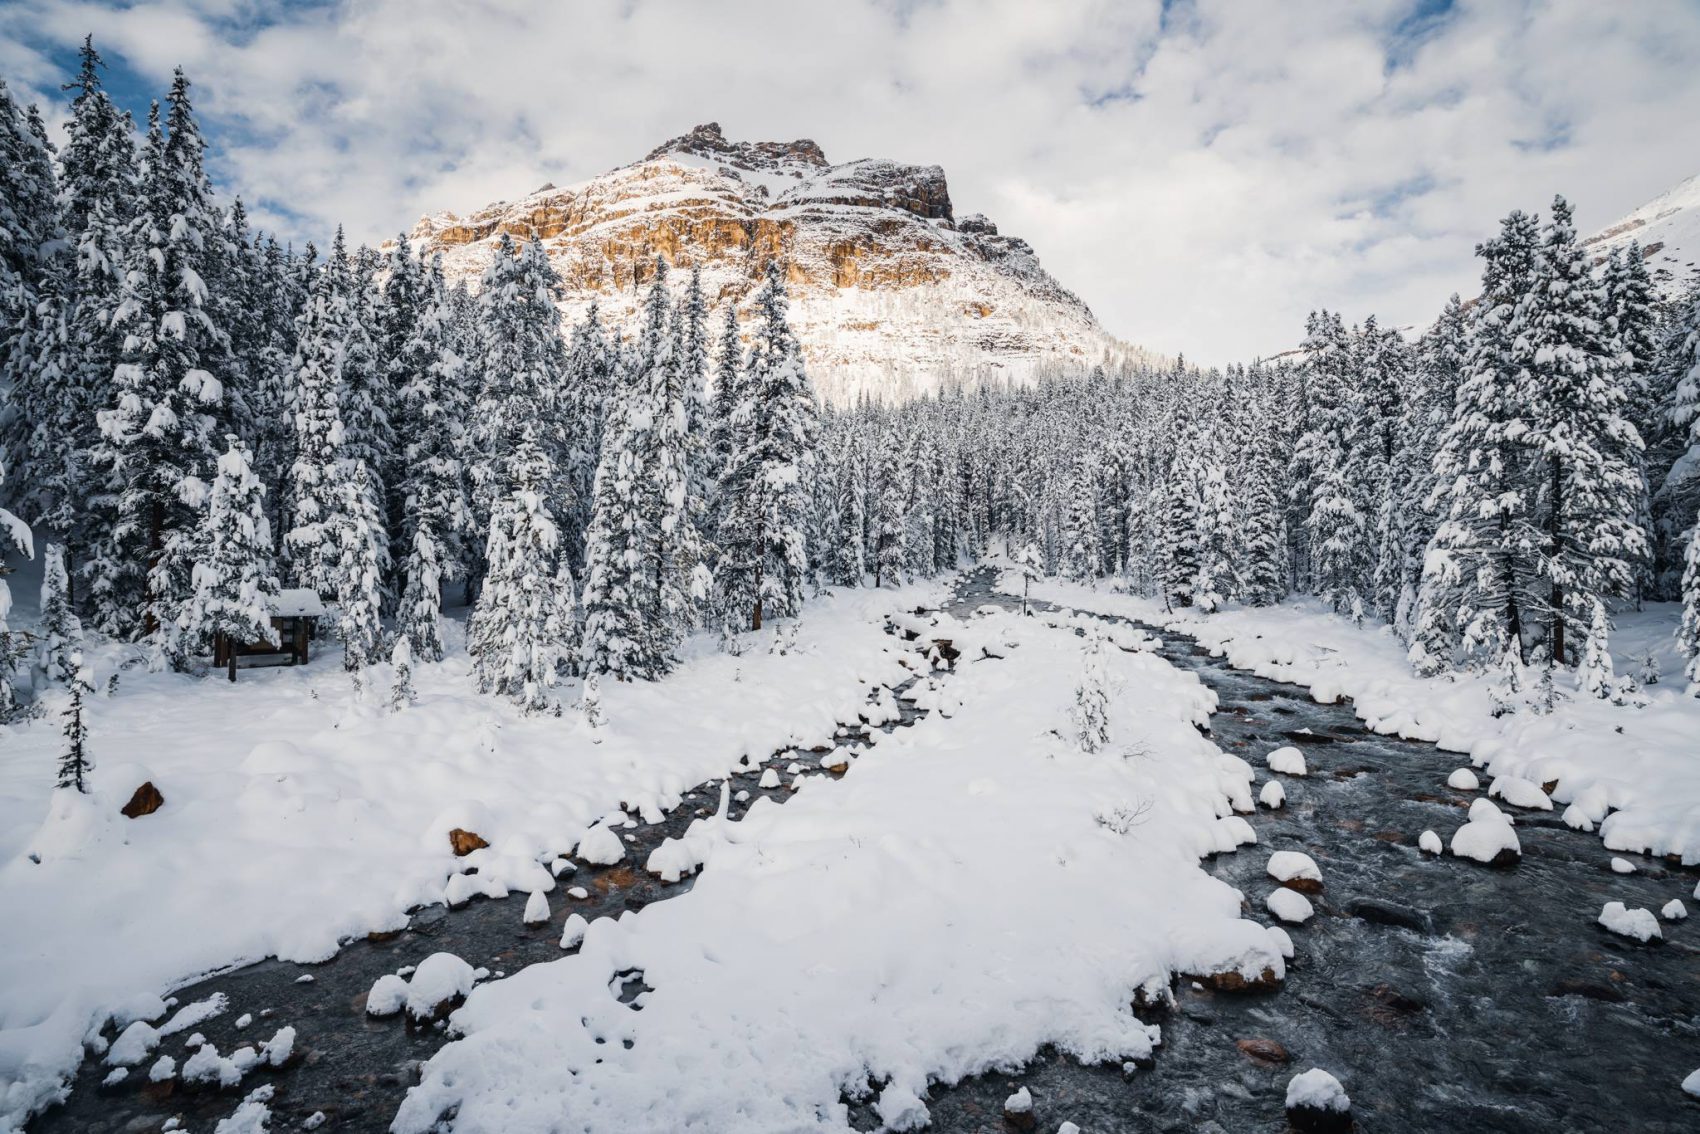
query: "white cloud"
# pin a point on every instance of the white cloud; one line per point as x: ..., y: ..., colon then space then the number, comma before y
x: 1201, y: 178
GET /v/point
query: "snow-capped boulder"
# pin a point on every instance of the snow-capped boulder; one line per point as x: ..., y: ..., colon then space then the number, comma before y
x: 572, y: 931
x: 1296, y: 870
x: 1674, y: 910
x: 1577, y: 819
x: 1273, y: 795
x: 1622, y: 866
x: 441, y: 981
x: 1463, y: 779
x: 769, y: 779
x: 1639, y: 925
x: 1429, y: 843
x: 601, y: 846
x: 387, y: 996
x: 1289, y: 761
x: 207, y: 1067
x: 133, y: 1044
x: 1018, y: 1110
x: 536, y: 908
x: 1488, y: 837
x: 1290, y: 906
x: 1692, y: 1083
x: 1519, y: 792
x: 1316, y: 1102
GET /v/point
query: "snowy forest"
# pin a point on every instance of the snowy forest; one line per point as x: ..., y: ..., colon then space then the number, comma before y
x: 195, y: 414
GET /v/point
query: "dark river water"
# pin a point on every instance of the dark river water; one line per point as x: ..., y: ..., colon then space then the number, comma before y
x: 1446, y: 996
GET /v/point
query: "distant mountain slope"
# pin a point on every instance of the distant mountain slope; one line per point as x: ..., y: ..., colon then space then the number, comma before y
x: 893, y: 293
x: 1668, y: 229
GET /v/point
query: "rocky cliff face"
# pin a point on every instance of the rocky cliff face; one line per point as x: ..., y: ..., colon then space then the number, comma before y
x: 893, y: 293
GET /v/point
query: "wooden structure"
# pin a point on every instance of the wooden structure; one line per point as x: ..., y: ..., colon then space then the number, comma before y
x: 295, y: 612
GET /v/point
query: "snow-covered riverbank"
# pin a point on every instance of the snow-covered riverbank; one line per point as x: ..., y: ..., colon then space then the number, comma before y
x: 296, y: 817
x: 1632, y: 772
x: 976, y: 887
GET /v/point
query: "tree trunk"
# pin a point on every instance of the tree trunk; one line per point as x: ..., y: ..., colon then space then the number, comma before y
x: 1554, y: 526
x: 755, y: 616
x: 156, y: 544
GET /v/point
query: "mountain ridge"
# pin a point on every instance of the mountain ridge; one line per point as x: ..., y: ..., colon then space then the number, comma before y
x: 894, y: 295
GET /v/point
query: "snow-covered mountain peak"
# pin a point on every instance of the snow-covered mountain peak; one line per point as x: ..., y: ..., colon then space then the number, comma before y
x: 893, y: 295
x: 1668, y: 230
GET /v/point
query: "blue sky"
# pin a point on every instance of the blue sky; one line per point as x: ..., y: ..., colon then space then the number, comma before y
x: 1202, y: 172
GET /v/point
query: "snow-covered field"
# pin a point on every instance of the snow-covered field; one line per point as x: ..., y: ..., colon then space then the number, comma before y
x: 1632, y: 773
x: 977, y: 886
x: 296, y: 816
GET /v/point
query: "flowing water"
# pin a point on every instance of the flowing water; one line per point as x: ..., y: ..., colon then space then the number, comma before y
x: 1446, y: 995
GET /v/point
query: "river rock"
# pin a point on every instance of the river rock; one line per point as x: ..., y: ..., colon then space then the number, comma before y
x: 1488, y: 837
x: 1317, y: 1103
x: 1260, y: 1050
x: 1296, y: 871
x: 1519, y: 792
x: 1622, y: 866
x: 1273, y: 795
x: 536, y: 908
x: 441, y: 981
x: 1290, y: 906
x: 1018, y: 1110
x: 1378, y: 912
x: 1288, y: 761
x: 1429, y: 843
x: 1232, y: 980
x: 1463, y: 779
x: 464, y: 842
x: 145, y: 801
x: 1674, y: 910
x: 1638, y: 925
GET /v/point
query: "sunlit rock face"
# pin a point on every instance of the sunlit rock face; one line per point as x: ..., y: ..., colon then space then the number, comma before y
x: 894, y: 295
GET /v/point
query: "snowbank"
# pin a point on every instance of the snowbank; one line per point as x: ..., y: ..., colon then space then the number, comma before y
x: 337, y: 821
x: 1635, y: 763
x: 898, y: 927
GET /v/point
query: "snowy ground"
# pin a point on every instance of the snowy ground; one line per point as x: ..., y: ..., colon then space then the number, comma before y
x: 977, y: 886
x: 296, y: 816
x: 1637, y: 763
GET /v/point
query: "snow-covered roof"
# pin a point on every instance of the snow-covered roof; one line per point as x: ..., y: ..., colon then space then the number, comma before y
x: 297, y: 601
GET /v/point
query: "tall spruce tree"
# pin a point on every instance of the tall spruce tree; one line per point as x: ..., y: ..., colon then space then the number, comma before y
x: 1474, y: 598
x: 1584, y: 451
x: 763, y: 557
x: 234, y: 573
x: 521, y: 628
x: 157, y: 439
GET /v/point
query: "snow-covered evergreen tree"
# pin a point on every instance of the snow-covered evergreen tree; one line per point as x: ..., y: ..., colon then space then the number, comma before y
x: 521, y: 627
x: 60, y: 631
x: 615, y: 637
x: 360, y: 558
x: 234, y: 573
x: 1092, y: 696
x: 74, y: 763
x: 157, y: 435
x: 1585, y: 453
x: 1476, y: 576
x: 14, y: 645
x: 401, y: 686
x: 763, y: 556
x: 325, y: 326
